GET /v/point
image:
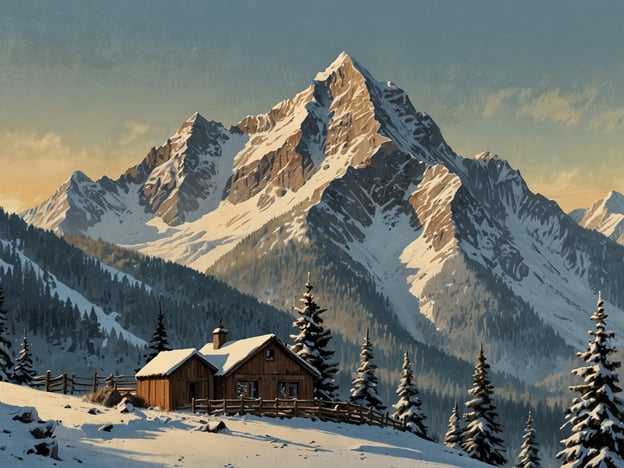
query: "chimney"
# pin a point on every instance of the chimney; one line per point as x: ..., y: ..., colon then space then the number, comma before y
x: 219, y: 336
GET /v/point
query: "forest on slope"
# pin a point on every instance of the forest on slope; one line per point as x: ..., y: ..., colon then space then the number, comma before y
x: 33, y: 262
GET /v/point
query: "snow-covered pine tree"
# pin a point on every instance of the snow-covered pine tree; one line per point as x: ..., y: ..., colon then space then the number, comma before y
x: 364, y: 390
x: 481, y: 438
x: 595, y: 418
x: 529, y: 453
x: 311, y: 344
x: 6, y: 361
x: 24, y: 371
x: 159, y: 340
x: 453, y: 436
x: 408, y: 407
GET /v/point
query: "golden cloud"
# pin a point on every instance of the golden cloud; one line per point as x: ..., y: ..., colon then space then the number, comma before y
x: 611, y: 119
x: 554, y: 106
x: 35, y: 165
x: 135, y: 130
x: 495, y: 101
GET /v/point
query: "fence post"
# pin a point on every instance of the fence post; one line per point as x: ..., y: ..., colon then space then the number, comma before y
x: 193, y: 405
x: 225, y: 413
x: 47, y: 381
x: 295, y: 408
x: 95, y: 382
x: 64, y: 383
x: 276, y: 407
x: 73, y: 384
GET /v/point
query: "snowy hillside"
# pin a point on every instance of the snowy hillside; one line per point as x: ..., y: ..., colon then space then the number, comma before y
x: 144, y: 438
x: 107, y: 321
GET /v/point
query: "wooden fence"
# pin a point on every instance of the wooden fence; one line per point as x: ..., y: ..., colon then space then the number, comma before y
x: 336, y: 411
x: 71, y: 384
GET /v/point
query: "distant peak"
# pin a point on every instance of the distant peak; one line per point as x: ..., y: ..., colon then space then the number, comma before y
x: 486, y: 155
x: 196, y: 118
x: 79, y: 177
x: 194, y: 121
x: 614, y: 202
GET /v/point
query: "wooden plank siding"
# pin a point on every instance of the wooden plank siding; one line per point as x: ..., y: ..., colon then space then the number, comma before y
x: 268, y: 372
x: 193, y: 379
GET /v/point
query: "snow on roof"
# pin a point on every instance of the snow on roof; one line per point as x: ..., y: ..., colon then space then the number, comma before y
x: 232, y: 353
x: 167, y: 362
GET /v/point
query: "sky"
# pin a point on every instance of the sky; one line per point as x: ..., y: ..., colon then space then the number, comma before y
x: 94, y: 85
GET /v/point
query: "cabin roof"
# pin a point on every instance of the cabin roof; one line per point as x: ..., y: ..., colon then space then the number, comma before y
x: 166, y: 362
x: 234, y: 353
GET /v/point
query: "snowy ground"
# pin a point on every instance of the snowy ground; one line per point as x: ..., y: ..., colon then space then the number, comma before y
x: 146, y: 438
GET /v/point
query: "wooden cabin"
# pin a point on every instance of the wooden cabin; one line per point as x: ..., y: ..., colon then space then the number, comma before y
x: 258, y: 367
x: 173, y: 378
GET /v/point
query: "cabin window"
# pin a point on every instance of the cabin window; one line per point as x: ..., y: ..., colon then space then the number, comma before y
x: 269, y: 354
x: 247, y: 388
x: 288, y: 389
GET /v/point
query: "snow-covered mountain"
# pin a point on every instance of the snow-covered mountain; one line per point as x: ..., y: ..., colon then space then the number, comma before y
x: 605, y: 215
x: 460, y: 250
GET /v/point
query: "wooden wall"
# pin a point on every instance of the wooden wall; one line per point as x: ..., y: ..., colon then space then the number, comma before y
x: 175, y: 391
x: 282, y: 368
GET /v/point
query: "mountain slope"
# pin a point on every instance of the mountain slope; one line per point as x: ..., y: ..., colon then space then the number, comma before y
x: 451, y: 251
x: 605, y: 216
x: 85, y: 315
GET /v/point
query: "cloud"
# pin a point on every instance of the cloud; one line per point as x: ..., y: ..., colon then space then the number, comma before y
x: 550, y: 105
x: 35, y: 164
x: 554, y: 106
x: 28, y: 145
x: 495, y: 101
x: 609, y: 120
x: 10, y: 205
x: 135, y: 130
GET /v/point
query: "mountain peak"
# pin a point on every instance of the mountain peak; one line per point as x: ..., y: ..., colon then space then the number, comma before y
x: 78, y: 177
x: 486, y: 155
x: 193, y: 122
x: 342, y: 62
x: 614, y: 202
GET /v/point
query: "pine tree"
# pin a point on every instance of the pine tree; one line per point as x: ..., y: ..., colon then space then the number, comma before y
x: 480, y: 435
x: 24, y: 371
x: 6, y: 362
x: 595, y: 417
x: 364, y: 390
x: 159, y: 341
x: 408, y: 407
x: 529, y: 453
x: 453, y: 436
x: 311, y: 344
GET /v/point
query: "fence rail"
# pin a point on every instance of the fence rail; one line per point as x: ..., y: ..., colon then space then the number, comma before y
x: 336, y: 411
x: 71, y: 384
